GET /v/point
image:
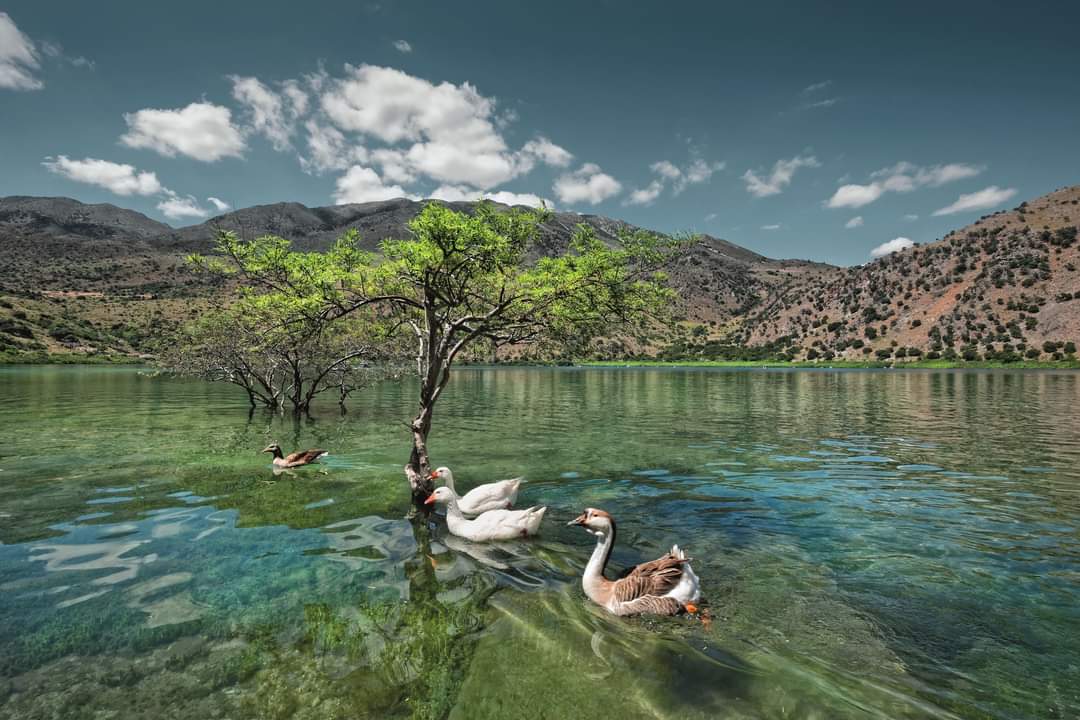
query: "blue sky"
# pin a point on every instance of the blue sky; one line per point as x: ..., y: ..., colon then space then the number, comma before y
x: 806, y: 130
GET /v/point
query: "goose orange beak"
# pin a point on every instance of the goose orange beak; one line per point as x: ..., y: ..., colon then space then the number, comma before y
x: 434, y: 474
x: 430, y: 500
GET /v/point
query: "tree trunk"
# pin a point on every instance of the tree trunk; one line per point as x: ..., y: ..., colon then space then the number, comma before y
x: 418, y: 470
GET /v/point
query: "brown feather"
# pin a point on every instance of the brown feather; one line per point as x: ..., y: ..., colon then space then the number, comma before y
x: 303, y: 457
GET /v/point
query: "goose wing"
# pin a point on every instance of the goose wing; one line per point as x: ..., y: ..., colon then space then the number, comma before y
x: 658, y: 577
x: 303, y: 457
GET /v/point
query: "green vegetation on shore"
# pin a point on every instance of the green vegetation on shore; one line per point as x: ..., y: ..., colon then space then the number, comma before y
x: 932, y: 364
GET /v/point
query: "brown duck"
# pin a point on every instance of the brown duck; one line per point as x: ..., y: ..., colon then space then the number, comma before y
x: 665, y: 586
x: 296, y: 459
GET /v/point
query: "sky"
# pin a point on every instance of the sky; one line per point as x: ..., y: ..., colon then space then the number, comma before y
x: 826, y: 131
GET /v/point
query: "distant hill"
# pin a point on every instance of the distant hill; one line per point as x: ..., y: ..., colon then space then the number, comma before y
x: 99, y: 277
x: 1006, y: 286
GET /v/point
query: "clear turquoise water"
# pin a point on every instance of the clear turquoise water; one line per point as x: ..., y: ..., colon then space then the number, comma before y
x: 872, y: 544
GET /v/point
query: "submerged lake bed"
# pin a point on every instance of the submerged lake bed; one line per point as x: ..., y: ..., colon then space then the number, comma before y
x: 871, y: 543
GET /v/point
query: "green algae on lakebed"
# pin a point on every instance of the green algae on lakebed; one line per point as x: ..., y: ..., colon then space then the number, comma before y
x: 871, y: 544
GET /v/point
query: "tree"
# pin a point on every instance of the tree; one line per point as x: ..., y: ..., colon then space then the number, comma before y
x: 279, y: 364
x: 463, y: 283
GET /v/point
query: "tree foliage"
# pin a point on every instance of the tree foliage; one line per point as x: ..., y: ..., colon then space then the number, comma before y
x: 462, y: 282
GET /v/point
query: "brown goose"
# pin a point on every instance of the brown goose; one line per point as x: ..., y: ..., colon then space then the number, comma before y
x: 296, y: 459
x: 665, y: 586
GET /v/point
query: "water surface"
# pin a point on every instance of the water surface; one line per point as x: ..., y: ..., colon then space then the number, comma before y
x: 881, y: 544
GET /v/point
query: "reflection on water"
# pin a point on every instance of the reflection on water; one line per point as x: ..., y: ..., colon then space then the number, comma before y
x: 872, y: 544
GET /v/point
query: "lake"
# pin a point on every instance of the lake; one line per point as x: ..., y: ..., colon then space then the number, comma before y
x: 889, y: 544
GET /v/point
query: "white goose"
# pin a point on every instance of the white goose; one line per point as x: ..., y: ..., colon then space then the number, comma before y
x: 665, y: 586
x: 492, y: 525
x: 482, y: 498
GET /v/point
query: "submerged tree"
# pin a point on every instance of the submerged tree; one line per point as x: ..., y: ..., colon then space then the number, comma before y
x: 463, y: 282
x: 284, y: 365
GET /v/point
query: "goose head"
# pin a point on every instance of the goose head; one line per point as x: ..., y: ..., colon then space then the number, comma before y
x: 442, y: 496
x: 444, y: 474
x: 272, y: 448
x: 595, y: 522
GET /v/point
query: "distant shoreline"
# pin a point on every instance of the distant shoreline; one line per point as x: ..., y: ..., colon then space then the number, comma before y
x: 825, y: 364
x: 81, y: 359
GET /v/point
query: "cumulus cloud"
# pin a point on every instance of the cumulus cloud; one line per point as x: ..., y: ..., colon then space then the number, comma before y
x: 902, y: 177
x: 586, y: 184
x: 855, y: 196
x: 270, y: 113
x: 18, y: 58
x: 176, y: 207
x: 854, y: 222
x: 402, y: 46
x: 888, y: 248
x: 647, y: 194
x: 547, y: 152
x: 782, y: 173
x: 219, y: 204
x: 982, y: 200
x: 452, y: 193
x: 696, y: 172
x: 361, y: 184
x: 201, y: 130
x: 449, y: 129
x: 328, y: 149
x: 118, y: 178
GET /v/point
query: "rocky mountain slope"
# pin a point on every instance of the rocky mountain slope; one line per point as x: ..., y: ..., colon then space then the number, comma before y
x: 1005, y: 287
x: 100, y: 278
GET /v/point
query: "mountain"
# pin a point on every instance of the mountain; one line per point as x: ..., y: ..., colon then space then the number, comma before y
x: 1005, y: 287
x: 101, y: 277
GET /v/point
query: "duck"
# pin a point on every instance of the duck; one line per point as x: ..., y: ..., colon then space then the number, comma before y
x: 665, y: 586
x: 482, y: 498
x: 296, y: 459
x: 491, y: 525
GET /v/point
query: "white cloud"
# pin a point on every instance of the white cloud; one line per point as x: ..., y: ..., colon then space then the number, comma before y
x: 827, y: 102
x: 811, y: 89
x: 710, y: 217
x: 18, y: 58
x: 268, y: 112
x: 450, y: 128
x: 329, y: 150
x: 586, y: 184
x: 119, y: 178
x: 361, y: 184
x: 666, y: 169
x: 298, y: 99
x: 911, y: 218
x: 771, y: 227
x: 511, y: 198
x: 55, y: 51
x: 888, y: 248
x: 221, y: 205
x: 855, y: 196
x: 402, y: 46
x: 902, y: 177
x: 201, y: 130
x: 646, y: 195
x: 547, y: 152
x: 854, y: 222
x: 982, y: 200
x: 176, y: 207
x: 698, y: 171
x: 780, y: 177
x: 452, y: 193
